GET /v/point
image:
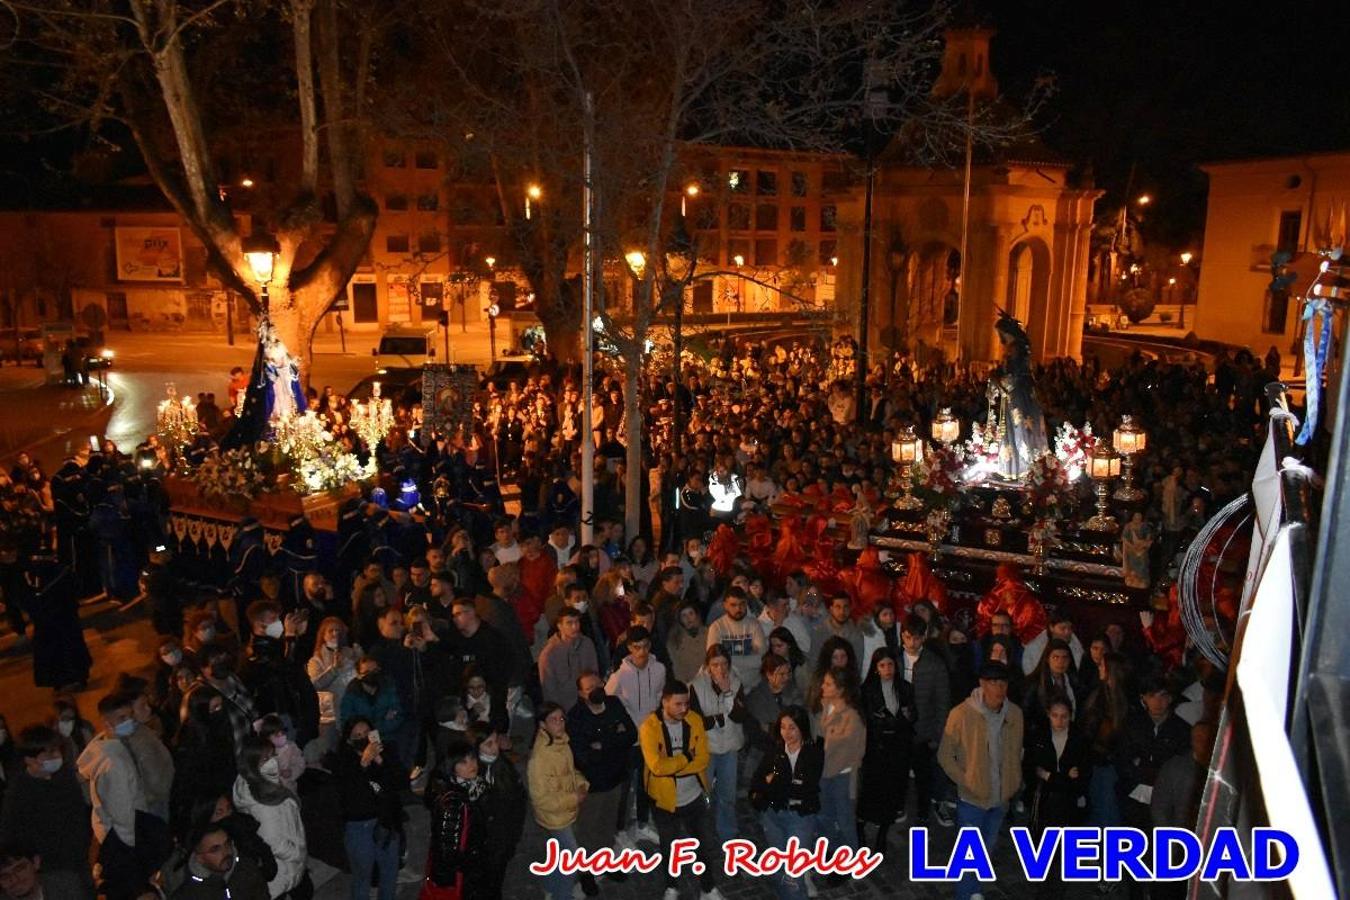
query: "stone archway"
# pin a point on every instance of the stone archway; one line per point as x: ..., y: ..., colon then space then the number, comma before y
x: 931, y: 279
x: 1028, y: 295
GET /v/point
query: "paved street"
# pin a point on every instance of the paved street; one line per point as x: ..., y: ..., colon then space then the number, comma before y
x: 59, y: 419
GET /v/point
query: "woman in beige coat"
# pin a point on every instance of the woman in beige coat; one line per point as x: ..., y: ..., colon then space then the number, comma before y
x: 556, y: 792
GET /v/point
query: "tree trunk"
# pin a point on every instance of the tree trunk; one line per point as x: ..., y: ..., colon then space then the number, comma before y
x: 633, y: 464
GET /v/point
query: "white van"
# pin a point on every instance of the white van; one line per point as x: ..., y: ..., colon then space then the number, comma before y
x: 405, y: 348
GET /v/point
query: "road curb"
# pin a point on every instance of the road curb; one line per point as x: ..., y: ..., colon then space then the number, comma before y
x: 99, y: 416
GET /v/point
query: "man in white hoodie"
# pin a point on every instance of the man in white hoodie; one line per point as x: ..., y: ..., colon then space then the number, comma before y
x: 638, y: 683
x: 127, y: 854
x: 561, y: 544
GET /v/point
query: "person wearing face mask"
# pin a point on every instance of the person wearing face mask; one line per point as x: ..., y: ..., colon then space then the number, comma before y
x: 203, y: 629
x: 505, y: 806
x: 75, y: 730
x: 218, y: 675
x: 258, y: 792
x: 132, y: 841
x: 44, y: 805
x: 152, y: 756
x: 290, y: 761
x: 368, y: 779
x: 276, y: 681
x: 205, y: 755
x: 331, y: 669
x: 372, y: 696
x: 601, y: 734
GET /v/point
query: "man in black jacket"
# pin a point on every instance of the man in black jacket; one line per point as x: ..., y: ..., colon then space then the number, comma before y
x: 928, y: 675
x: 473, y: 641
x: 216, y: 872
x: 600, y: 732
x: 1153, y: 735
x: 45, y: 807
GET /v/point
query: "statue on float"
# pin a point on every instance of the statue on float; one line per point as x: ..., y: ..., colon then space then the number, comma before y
x: 274, y: 390
x: 1014, y: 413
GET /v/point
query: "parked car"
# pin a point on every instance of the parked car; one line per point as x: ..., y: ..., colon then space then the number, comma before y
x: 22, y: 345
x: 401, y: 385
x: 95, y: 357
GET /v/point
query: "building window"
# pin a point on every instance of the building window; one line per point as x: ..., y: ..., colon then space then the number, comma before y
x: 766, y: 184
x: 799, y: 184
x: 738, y: 181
x: 766, y: 252
x: 706, y: 217
x: 426, y: 159
x: 364, y: 305
x: 428, y: 202
x: 429, y: 243
x: 396, y: 243
x: 394, y: 159
x: 708, y: 248
x: 829, y: 251
x: 396, y: 202
x: 797, y: 218
x: 1291, y: 229
x: 827, y: 217
x: 738, y: 247
x: 766, y: 217
x: 798, y: 255
x: 738, y: 217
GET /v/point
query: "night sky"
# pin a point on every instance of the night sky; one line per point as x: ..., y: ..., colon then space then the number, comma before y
x: 1167, y: 86
x: 1162, y: 86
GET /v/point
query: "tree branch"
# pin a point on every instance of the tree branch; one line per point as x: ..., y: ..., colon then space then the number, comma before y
x: 301, y: 12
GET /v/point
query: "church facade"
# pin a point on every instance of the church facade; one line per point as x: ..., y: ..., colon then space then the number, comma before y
x: 1027, y: 241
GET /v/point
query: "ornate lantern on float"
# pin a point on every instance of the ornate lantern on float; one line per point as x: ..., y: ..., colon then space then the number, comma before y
x: 946, y: 427
x: 1130, y: 440
x: 906, y: 450
x: 1103, y: 466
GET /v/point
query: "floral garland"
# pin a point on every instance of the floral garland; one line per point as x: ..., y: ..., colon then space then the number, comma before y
x: 1072, y: 448
x: 1050, y: 486
x: 937, y: 477
x: 229, y: 474
x: 317, y: 460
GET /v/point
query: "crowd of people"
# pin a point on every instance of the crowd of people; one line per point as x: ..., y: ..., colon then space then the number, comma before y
x: 673, y: 685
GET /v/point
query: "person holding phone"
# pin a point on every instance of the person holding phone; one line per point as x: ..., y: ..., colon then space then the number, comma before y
x: 368, y: 780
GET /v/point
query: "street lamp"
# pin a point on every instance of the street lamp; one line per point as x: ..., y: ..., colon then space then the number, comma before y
x: 261, y: 249
x: 946, y: 427
x: 1144, y: 200
x: 1103, y: 465
x: 1186, y: 257
x: 637, y: 261
x: 533, y: 193
x: 493, y: 311
x: 691, y: 190
x: 1129, y: 441
x: 907, y: 449
x: 491, y: 263
x: 738, y: 260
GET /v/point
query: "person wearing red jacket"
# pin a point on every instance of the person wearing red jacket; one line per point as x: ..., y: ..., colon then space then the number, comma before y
x: 538, y: 571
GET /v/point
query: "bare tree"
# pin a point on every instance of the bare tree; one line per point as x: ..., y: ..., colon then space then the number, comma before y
x: 154, y: 69
x: 666, y: 77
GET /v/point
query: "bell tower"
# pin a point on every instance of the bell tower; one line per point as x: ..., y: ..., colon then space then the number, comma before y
x: 965, y: 64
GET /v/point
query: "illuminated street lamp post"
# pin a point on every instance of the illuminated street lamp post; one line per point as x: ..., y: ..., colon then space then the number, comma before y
x: 690, y: 191
x: 533, y: 193
x: 493, y: 311
x: 261, y: 249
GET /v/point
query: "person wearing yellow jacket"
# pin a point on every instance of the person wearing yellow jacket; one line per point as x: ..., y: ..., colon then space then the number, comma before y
x: 556, y: 792
x: 675, y: 761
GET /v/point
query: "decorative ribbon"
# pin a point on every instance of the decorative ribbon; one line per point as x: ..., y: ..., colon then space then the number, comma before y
x: 226, y: 536
x: 1316, y: 342
x: 209, y: 531
x: 273, y: 539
